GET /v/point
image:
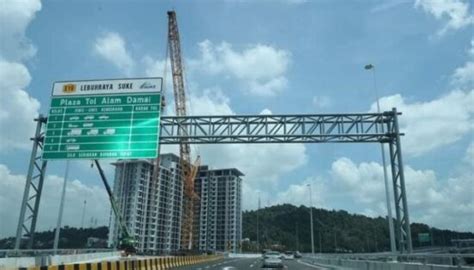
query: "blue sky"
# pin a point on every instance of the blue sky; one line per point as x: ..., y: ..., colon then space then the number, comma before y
x: 248, y: 57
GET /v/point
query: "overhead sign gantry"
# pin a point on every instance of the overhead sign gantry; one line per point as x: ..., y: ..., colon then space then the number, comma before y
x: 297, y: 128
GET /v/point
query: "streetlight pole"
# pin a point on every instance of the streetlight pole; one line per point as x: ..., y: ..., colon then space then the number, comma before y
x: 83, y: 214
x: 320, y: 245
x: 311, y: 216
x: 297, y: 238
x: 258, y: 223
x: 61, y: 209
x: 393, y: 248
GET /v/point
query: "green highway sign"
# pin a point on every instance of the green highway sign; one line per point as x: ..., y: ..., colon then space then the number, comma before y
x: 104, y: 119
x: 424, y: 237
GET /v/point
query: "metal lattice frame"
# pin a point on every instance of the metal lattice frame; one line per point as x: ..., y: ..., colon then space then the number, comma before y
x: 403, y: 231
x: 322, y: 128
x: 317, y: 128
x: 33, y: 188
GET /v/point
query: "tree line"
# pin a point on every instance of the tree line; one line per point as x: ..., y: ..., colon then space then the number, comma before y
x: 334, y: 231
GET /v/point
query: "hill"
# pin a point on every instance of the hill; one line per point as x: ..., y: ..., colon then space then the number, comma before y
x: 289, y: 226
x: 339, y: 231
x: 69, y: 238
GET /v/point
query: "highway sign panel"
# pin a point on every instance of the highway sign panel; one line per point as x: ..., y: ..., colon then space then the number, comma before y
x: 104, y: 119
x: 424, y: 237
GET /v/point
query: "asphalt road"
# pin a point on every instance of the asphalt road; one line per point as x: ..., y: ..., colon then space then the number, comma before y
x: 247, y: 264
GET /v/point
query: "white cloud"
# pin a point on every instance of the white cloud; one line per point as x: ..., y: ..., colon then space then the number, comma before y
x: 11, y: 195
x: 464, y: 76
x: 321, y: 102
x: 10, y: 198
x: 362, y: 180
x: 456, y: 13
x: 17, y: 107
x: 446, y: 204
x: 266, y: 111
x: 262, y: 164
x: 439, y: 122
x: 436, y: 123
x: 387, y: 5
x: 470, y: 155
x: 111, y: 46
x: 156, y: 68
x: 15, y: 16
x: 298, y: 194
x: 260, y: 68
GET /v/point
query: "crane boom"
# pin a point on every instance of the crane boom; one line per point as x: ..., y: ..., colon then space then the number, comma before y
x: 127, y: 241
x: 184, y: 148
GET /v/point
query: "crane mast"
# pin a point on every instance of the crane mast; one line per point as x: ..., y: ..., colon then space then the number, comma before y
x: 184, y: 148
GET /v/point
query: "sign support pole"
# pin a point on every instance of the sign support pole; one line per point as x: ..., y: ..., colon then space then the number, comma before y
x: 33, y: 188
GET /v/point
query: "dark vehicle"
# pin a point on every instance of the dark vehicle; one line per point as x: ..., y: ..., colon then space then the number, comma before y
x: 297, y: 255
x: 288, y: 255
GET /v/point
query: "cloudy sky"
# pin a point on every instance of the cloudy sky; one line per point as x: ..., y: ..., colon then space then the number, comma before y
x: 251, y: 57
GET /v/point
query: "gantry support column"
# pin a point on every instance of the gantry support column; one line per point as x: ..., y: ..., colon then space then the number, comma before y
x: 33, y: 188
x: 402, y: 224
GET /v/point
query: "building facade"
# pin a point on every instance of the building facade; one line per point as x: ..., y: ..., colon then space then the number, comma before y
x: 218, y: 215
x: 151, y: 209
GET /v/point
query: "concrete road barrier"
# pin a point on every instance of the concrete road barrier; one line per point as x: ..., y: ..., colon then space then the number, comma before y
x: 150, y: 263
x: 244, y: 255
x: 42, y: 260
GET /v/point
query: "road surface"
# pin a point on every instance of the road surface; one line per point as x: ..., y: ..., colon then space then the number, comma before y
x: 247, y: 264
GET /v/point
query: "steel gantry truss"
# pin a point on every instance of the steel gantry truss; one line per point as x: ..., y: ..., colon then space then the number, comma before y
x: 322, y: 128
x: 305, y: 128
x: 33, y: 188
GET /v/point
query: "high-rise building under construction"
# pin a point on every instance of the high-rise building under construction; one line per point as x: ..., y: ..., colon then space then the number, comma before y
x: 218, y: 215
x: 151, y: 210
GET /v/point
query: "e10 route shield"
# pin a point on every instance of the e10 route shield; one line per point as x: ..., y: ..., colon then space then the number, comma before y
x: 103, y: 119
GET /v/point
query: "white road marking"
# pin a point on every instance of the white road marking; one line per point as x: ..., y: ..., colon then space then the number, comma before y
x: 310, y: 265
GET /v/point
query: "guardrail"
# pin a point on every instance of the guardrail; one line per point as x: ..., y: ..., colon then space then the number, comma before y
x: 447, y: 259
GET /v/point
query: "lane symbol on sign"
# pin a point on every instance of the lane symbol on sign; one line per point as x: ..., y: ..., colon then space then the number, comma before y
x: 75, y: 132
x: 109, y: 131
x: 93, y: 132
